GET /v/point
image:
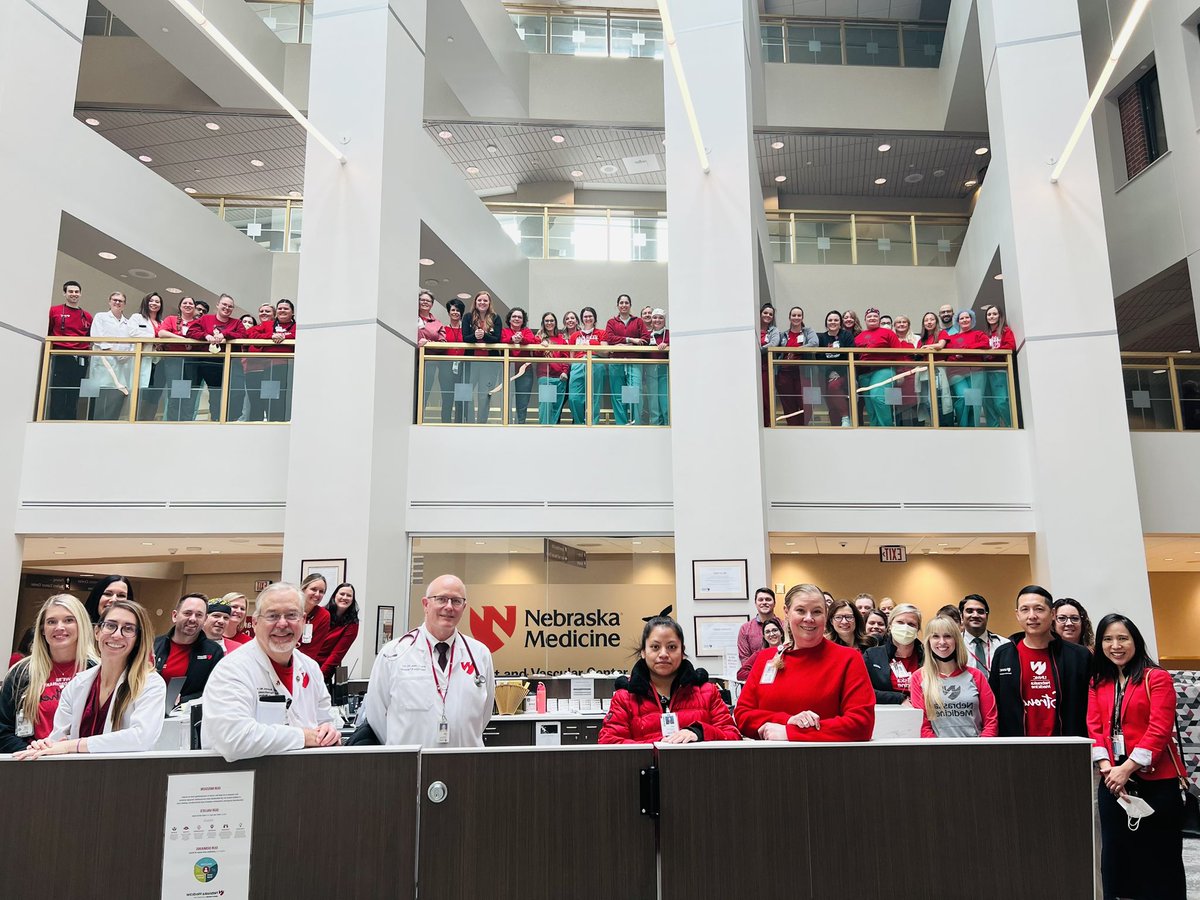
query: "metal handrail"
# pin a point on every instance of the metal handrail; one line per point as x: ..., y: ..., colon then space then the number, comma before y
x: 233, y: 201
x: 1172, y: 365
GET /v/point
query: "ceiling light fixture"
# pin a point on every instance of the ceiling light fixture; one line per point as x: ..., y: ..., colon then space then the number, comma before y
x: 257, y: 162
x: 425, y: 261
x: 104, y: 254
x: 212, y: 126
x: 780, y: 178
x: 145, y: 158
x: 189, y: 190
x: 492, y: 148
x: 557, y: 138
x: 1186, y: 351
x: 884, y: 148
x: 999, y: 276
x: 226, y: 46
x: 295, y: 194
x: 681, y: 78
x: 472, y: 170
x: 576, y: 173
x: 777, y: 145
x: 174, y: 291
x: 971, y: 183
x: 881, y: 181
x: 464, y: 296
x: 980, y: 151
x: 92, y: 122
x: 1159, y: 372
x: 1085, y: 118
x: 445, y: 135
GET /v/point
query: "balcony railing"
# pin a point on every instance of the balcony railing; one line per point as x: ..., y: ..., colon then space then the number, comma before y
x: 544, y: 385
x: 889, y: 388
x: 1162, y: 391
x: 291, y: 20
x: 150, y: 382
x: 585, y: 232
x: 273, y: 222
x: 843, y: 237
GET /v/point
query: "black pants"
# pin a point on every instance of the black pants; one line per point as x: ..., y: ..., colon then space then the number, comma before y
x: 172, y: 369
x: 211, y: 374
x: 521, y: 388
x: 151, y: 395
x: 62, y: 401
x: 1146, y: 864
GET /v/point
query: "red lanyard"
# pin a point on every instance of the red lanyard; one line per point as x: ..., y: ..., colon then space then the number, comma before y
x: 449, y: 671
x: 987, y: 661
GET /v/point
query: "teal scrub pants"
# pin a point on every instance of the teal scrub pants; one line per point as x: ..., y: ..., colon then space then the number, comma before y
x: 657, y: 394
x: 577, y: 388
x: 878, y: 412
x: 621, y: 376
x: 966, y: 409
x: 995, y: 399
x: 550, y: 410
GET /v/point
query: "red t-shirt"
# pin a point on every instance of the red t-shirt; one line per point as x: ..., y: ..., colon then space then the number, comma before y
x: 1037, y: 692
x: 176, y: 665
x: 902, y: 669
x: 284, y: 674
x: 60, y: 674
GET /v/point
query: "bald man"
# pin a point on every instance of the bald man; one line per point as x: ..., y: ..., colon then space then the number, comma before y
x: 433, y: 686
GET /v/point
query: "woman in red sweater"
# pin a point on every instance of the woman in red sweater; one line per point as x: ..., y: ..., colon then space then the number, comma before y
x: 997, y: 412
x: 875, y: 370
x: 966, y: 384
x: 1131, y: 721
x: 316, y: 617
x: 521, y: 372
x: 343, y: 628
x: 552, y: 376
x: 809, y: 689
x: 665, y: 698
x: 274, y: 405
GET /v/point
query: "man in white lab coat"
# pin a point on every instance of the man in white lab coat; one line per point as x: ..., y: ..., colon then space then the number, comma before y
x: 433, y: 686
x: 269, y: 697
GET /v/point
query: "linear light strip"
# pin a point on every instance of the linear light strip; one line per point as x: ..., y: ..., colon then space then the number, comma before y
x: 1123, y: 37
x: 227, y: 47
x: 677, y: 65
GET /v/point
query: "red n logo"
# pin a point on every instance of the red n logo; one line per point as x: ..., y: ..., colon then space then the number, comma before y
x: 483, y: 627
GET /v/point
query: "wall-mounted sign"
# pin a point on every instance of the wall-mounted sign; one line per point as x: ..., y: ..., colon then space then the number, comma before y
x: 893, y: 553
x: 207, y: 836
x: 572, y: 556
x: 260, y: 586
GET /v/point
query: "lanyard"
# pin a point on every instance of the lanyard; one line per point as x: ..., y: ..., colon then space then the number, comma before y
x: 987, y: 653
x: 1118, y: 696
x: 442, y: 692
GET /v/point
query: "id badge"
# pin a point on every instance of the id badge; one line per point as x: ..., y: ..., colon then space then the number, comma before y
x: 670, y: 724
x: 1118, y: 747
x: 24, y: 727
x: 443, y: 732
x: 307, y: 636
x: 768, y: 674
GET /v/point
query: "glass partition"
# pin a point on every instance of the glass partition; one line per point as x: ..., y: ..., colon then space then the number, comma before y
x: 923, y: 46
x: 533, y: 30
x: 584, y: 232
x: 579, y: 35
x: 637, y: 38
x: 813, y: 237
x: 817, y: 44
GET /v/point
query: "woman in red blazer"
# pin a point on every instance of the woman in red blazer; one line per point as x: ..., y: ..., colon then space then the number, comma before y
x: 343, y: 628
x: 665, y: 698
x: 1131, y: 721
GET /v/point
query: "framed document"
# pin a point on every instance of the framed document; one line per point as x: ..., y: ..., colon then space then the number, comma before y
x: 717, y: 635
x: 333, y: 570
x: 720, y: 579
x: 385, y: 627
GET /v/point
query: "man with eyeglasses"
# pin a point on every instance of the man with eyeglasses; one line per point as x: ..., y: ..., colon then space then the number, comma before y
x: 185, y: 651
x: 433, y: 686
x: 264, y: 698
x: 981, y: 643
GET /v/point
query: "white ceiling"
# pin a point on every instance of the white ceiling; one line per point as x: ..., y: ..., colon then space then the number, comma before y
x: 917, y: 544
x: 57, y: 550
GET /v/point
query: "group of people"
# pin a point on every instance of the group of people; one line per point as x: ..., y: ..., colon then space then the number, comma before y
x: 633, y: 388
x: 169, y: 386
x: 893, y: 388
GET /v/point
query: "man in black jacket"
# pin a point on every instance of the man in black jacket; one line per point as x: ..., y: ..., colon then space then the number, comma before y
x: 184, y: 651
x: 1040, y: 681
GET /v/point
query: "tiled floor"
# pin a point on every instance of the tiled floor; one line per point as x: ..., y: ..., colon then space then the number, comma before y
x: 1191, y: 865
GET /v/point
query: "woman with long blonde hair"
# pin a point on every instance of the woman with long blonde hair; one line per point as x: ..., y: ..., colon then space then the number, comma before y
x: 955, y: 701
x: 117, y: 706
x: 481, y: 325
x: 62, y: 648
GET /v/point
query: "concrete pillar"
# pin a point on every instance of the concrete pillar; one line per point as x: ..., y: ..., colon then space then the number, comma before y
x: 347, y: 476
x: 1058, y: 292
x: 713, y: 285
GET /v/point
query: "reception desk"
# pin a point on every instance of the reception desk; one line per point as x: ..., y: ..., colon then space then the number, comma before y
x: 888, y: 820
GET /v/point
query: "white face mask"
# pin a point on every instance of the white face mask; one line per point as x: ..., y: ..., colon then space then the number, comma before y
x: 1135, y: 808
x: 903, y: 635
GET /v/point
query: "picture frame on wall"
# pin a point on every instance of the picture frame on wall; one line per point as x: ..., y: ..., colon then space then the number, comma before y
x: 385, y: 626
x: 720, y: 579
x: 334, y: 571
x: 717, y: 634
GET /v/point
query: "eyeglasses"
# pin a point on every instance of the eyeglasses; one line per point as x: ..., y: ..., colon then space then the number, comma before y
x: 1067, y: 620
x: 271, y: 618
x: 843, y: 618
x: 111, y: 627
x: 456, y: 602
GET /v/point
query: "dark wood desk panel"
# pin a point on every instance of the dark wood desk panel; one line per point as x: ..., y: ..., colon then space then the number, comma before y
x: 875, y: 821
x: 537, y: 824
x: 94, y: 827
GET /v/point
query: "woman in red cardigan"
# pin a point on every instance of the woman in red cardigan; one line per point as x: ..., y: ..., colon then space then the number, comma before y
x: 343, y: 628
x: 809, y: 689
x: 997, y: 412
x: 665, y: 698
x: 1131, y: 721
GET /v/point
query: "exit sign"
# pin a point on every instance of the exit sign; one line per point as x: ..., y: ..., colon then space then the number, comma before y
x: 893, y: 553
x: 261, y: 585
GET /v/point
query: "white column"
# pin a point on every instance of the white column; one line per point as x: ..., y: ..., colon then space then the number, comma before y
x: 713, y: 284
x: 358, y: 275
x: 39, y: 67
x: 1059, y: 299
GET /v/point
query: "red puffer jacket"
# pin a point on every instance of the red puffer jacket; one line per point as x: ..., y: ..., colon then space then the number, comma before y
x: 635, y: 714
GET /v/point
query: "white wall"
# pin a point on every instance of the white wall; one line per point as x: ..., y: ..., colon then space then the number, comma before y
x: 607, y: 91
x: 855, y: 97
x: 1168, y: 492
x: 908, y: 290
x: 557, y: 285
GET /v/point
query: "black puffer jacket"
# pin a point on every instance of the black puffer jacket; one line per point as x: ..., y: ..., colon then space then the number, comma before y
x: 879, y: 667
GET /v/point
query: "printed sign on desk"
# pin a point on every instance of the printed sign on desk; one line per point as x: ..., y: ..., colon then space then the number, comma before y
x: 206, y: 836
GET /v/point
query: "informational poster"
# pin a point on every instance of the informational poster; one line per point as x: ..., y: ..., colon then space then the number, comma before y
x: 719, y: 579
x: 206, y: 836
x: 716, y: 634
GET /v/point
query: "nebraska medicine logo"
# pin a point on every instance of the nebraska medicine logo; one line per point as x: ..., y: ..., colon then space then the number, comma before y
x: 492, y: 626
x: 1038, y: 667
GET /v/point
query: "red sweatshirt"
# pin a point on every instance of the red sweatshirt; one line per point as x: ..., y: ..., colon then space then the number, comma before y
x: 878, y: 338
x: 965, y: 340
x: 202, y: 327
x: 265, y: 331
x: 829, y: 679
x: 660, y: 340
x: 1005, y: 340
x: 616, y: 331
x: 337, y: 642
x: 319, y: 620
x: 554, y: 369
x: 70, y: 321
x: 453, y: 336
x: 527, y: 337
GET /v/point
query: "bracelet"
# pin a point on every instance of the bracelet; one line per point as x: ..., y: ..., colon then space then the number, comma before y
x: 77, y: 745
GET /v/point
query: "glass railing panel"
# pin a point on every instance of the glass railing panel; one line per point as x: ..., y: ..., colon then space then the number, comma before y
x: 630, y: 390
x: 295, y: 227
x: 772, y: 43
x: 260, y: 387
x: 581, y: 235
x: 817, y: 44
x: 282, y: 18
x: 872, y: 45
x: 637, y: 238
x: 780, y: 234
x: 579, y: 35
x: 1148, y: 401
x: 525, y: 230
x: 823, y: 240
x: 923, y: 46
x: 980, y: 394
x: 810, y: 392
x: 1188, y: 378
x: 938, y: 243
x: 637, y: 38
x: 882, y: 243
x: 532, y: 30
x: 885, y: 392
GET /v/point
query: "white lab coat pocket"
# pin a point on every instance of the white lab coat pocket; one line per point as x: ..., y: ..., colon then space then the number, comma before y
x: 414, y: 691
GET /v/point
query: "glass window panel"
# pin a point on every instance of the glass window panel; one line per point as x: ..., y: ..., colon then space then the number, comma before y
x: 867, y: 46
x: 306, y: 34
x: 923, y: 47
x: 638, y: 239
x: 1189, y: 395
x: 884, y: 243
x: 641, y: 38
x: 938, y: 244
x: 823, y: 242
x: 578, y: 36
x: 297, y: 228
x: 578, y: 237
x: 772, y: 43
x: 819, y: 44
x: 282, y: 18
x: 781, y: 243
x: 531, y: 30
x: 1148, y: 398
x: 525, y: 230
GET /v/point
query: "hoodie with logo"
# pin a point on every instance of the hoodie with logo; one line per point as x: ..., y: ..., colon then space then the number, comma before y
x: 968, y: 710
x: 1069, y: 664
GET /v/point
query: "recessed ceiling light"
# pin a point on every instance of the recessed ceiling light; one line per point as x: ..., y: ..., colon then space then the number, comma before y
x: 576, y: 173
x: 189, y: 190
x: 608, y: 169
x: 425, y: 261
x: 945, y: 544
x: 656, y: 551
x: 790, y: 544
x: 637, y: 543
x: 431, y: 282
x: 913, y: 177
x: 145, y: 158
x: 1187, y: 351
x: 881, y: 181
x: 795, y: 552
x: 664, y: 142
x: 480, y: 543
x: 445, y: 135
x: 980, y: 151
x: 147, y: 543
x: 166, y: 30
x: 970, y: 183
x: 808, y: 162
x: 174, y: 291
x: 780, y: 178
x: 295, y: 194
x: 212, y: 126
x: 472, y: 170
x: 513, y: 551
x: 938, y: 173
x: 104, y: 254
x: 465, y: 296
x: 92, y: 122
x: 1168, y: 559
x: 777, y: 145
x: 492, y: 148
x: 884, y: 148
x: 257, y: 162
x: 214, y: 551
x: 557, y: 138
x: 999, y: 276
x: 1159, y: 372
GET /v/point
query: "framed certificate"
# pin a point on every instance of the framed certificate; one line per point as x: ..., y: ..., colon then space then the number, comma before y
x: 716, y: 635
x: 720, y: 579
x: 385, y: 626
x: 333, y: 570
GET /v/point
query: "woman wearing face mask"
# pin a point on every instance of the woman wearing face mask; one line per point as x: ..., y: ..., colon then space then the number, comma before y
x: 665, y: 698
x: 768, y: 337
x: 429, y: 329
x: 875, y: 371
x: 552, y: 376
x: 483, y: 326
x: 955, y: 701
x: 62, y: 648
x: 996, y: 408
x: 891, y: 664
x: 836, y: 387
x: 790, y: 378
x: 876, y: 625
x: 343, y: 628
x: 657, y: 380
x: 1071, y: 622
x: 117, y: 706
x: 966, y: 383
x: 807, y: 688
x: 587, y: 335
x: 316, y: 617
x: 1131, y: 721
x: 846, y: 626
